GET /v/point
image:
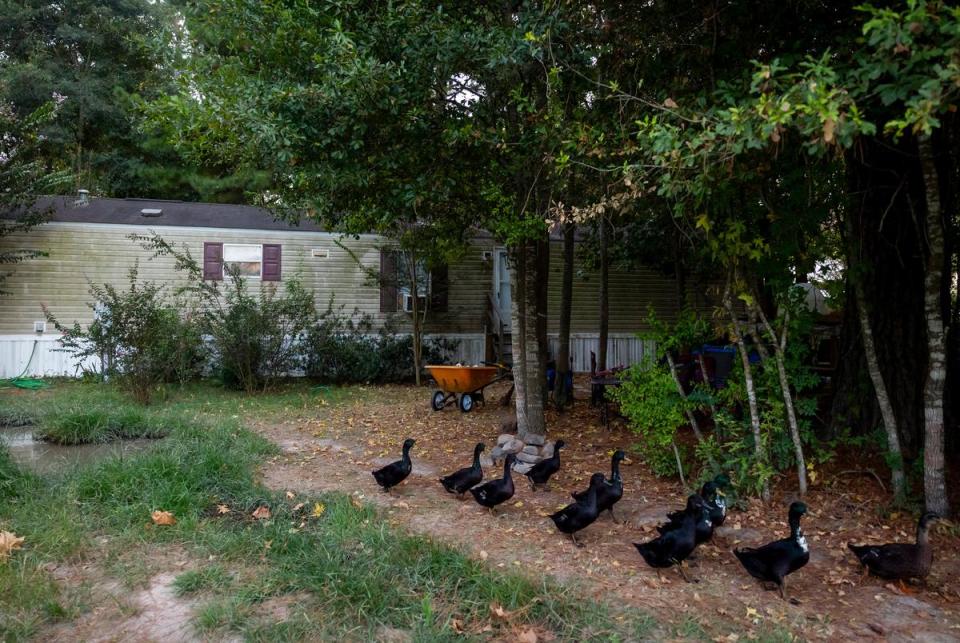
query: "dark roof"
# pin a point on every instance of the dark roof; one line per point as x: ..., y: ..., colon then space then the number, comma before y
x: 172, y: 213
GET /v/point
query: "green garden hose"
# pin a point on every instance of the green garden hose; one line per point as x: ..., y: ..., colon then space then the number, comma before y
x: 23, y: 382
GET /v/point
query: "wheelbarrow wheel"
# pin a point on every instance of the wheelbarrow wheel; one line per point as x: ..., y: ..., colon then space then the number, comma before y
x: 439, y: 400
x: 466, y: 402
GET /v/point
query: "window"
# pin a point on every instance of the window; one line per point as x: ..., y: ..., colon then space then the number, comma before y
x: 396, y: 284
x: 247, y: 260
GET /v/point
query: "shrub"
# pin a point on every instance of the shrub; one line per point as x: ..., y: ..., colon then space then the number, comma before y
x: 342, y: 349
x: 137, y: 337
x: 648, y: 398
x: 257, y: 338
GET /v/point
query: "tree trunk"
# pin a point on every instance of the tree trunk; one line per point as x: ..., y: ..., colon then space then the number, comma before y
x: 604, y: 294
x: 691, y: 416
x: 563, y: 394
x: 934, y: 479
x: 534, y: 374
x: 417, y: 339
x: 895, y: 454
x: 779, y: 347
x: 759, y: 450
x: 884, y: 185
x: 541, y: 279
x: 518, y: 334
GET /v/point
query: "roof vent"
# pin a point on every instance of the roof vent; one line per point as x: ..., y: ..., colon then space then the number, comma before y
x: 151, y: 212
x: 83, y: 198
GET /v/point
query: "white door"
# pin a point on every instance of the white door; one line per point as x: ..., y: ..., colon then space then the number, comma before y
x: 501, y: 284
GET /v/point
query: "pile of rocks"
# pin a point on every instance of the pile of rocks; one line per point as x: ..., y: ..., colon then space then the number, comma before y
x: 529, y: 449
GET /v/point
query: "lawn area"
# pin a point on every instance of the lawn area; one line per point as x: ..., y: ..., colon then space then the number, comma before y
x: 281, y: 533
x: 319, y: 566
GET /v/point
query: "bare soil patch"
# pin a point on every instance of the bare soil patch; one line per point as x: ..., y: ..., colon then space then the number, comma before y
x: 336, y: 449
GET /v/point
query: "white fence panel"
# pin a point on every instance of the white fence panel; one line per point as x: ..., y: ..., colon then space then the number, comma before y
x: 622, y: 349
x: 37, y: 356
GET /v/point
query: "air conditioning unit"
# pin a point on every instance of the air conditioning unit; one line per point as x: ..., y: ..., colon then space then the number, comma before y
x: 408, y: 303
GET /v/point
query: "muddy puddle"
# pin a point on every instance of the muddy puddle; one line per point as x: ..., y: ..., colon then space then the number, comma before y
x: 45, y: 459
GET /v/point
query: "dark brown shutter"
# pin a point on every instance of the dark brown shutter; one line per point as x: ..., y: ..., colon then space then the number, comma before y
x: 212, y: 261
x: 271, y: 262
x: 439, y: 288
x: 388, y: 281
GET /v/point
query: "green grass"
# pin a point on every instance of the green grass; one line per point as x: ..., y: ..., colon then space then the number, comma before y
x: 94, y: 425
x: 212, y: 577
x: 351, y: 573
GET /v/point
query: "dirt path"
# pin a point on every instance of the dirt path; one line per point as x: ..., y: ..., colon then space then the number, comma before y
x: 336, y: 449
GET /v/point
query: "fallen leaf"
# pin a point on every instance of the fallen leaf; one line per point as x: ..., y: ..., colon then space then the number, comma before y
x: 297, y: 507
x: 223, y: 509
x: 163, y: 518
x: 527, y: 636
x: 670, y: 104
x: 356, y: 502
x: 457, y: 626
x: 483, y: 555
x: 497, y: 611
x: 261, y: 513
x: 8, y: 542
x: 291, y: 495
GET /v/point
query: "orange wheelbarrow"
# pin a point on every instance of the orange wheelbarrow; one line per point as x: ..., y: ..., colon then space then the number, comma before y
x: 467, y: 381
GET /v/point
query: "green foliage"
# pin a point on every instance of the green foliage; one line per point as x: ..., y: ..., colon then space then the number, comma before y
x: 342, y: 349
x: 101, y: 61
x: 22, y: 178
x: 138, y: 336
x: 255, y: 338
x: 648, y: 398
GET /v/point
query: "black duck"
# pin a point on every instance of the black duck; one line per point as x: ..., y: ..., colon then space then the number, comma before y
x: 540, y: 472
x: 459, y: 481
x: 675, y: 546
x: 713, y: 496
x: 580, y: 514
x: 395, y: 472
x: 611, y: 491
x: 495, y: 492
x: 703, y: 530
x: 774, y: 561
x: 899, y: 561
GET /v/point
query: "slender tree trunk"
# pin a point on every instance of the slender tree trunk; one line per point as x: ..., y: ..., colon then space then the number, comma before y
x: 518, y: 333
x: 895, y: 453
x: 417, y: 322
x: 779, y: 348
x: 563, y: 394
x: 541, y: 278
x: 534, y: 373
x: 604, y: 294
x: 934, y: 479
x: 897, y: 479
x: 691, y: 416
x: 759, y: 450
x: 706, y: 380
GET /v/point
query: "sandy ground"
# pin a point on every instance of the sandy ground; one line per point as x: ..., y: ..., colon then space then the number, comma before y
x: 337, y: 448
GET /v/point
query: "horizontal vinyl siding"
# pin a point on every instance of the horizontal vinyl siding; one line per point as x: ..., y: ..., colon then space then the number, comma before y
x: 82, y: 253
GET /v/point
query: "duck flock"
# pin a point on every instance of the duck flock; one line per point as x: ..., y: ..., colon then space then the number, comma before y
x: 684, y: 529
